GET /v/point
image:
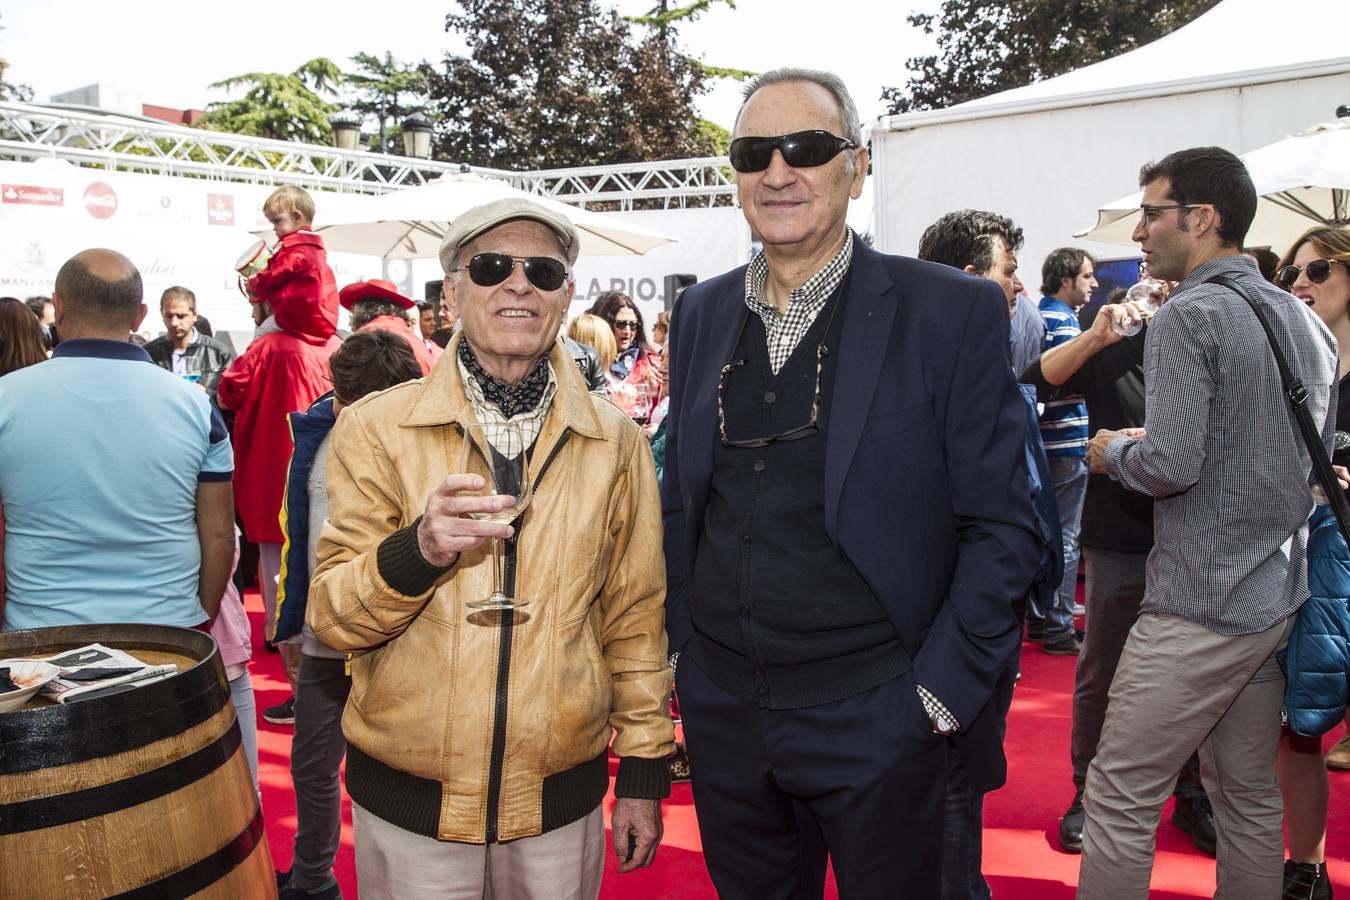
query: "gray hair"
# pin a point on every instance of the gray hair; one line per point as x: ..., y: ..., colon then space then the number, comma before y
x: 363, y: 311
x: 848, y: 110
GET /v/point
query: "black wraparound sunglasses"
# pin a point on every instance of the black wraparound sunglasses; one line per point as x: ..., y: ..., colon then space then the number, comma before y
x: 801, y: 150
x: 488, y: 269
x: 1318, y: 271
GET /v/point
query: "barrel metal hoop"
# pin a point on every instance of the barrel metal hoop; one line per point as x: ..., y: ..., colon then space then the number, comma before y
x: 109, y: 726
x: 90, y: 803
x: 205, y: 872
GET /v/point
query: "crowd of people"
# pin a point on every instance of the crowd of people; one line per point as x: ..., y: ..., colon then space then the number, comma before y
x: 827, y: 498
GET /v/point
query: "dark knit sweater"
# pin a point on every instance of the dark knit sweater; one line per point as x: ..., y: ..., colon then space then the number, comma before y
x: 781, y: 617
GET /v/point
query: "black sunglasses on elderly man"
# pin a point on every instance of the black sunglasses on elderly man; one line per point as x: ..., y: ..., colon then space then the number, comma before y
x: 488, y: 269
x: 1319, y: 270
x: 801, y: 150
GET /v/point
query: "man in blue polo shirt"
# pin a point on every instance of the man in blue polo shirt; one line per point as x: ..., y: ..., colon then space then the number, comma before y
x: 116, y: 479
x: 1067, y: 281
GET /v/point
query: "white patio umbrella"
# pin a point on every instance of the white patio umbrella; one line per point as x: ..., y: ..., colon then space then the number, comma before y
x: 410, y: 223
x: 1302, y: 181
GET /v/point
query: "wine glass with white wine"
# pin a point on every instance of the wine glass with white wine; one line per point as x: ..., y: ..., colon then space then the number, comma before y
x: 496, y: 452
x: 1148, y: 294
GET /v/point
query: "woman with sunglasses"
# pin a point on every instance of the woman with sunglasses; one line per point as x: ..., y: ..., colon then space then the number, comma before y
x: 1316, y: 270
x: 633, y: 364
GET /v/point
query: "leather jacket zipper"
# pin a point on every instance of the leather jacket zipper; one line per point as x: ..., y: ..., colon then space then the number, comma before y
x: 498, y: 757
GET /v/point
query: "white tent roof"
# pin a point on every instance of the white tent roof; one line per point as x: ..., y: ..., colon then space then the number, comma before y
x: 1236, y: 42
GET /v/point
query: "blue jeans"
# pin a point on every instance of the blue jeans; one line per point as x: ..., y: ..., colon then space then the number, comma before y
x: 1069, y: 474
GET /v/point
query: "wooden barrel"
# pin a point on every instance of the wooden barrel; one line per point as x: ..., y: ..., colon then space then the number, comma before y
x: 140, y: 794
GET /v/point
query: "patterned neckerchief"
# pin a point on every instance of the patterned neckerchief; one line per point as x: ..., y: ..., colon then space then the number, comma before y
x: 785, y: 331
x: 510, y: 399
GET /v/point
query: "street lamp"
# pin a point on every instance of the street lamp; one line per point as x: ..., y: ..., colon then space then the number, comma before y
x: 417, y: 130
x: 346, y: 129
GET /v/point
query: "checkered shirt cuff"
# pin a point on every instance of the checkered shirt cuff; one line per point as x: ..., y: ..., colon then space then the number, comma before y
x: 943, y: 720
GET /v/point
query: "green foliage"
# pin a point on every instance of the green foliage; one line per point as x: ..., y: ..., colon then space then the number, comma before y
x: 10, y: 90
x: 552, y: 83
x: 388, y: 91
x: 283, y: 107
x: 663, y: 20
x: 985, y: 46
x: 712, y: 139
x: 661, y: 16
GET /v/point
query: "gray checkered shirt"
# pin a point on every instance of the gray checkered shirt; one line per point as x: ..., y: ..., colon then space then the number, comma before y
x: 1223, y: 454
x: 785, y: 331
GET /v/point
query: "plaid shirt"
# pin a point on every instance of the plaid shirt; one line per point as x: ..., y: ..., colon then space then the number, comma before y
x: 531, y: 423
x: 1223, y: 454
x: 784, y: 331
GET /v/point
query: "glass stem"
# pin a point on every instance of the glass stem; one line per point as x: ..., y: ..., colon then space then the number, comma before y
x: 497, y: 568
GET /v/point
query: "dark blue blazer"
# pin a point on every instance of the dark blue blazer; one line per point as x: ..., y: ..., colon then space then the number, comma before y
x: 926, y: 489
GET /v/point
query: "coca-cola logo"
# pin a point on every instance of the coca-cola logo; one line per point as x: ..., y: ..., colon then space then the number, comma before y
x: 100, y: 200
x: 35, y: 196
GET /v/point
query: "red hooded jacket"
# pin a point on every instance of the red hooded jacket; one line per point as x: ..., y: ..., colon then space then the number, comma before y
x: 300, y: 288
x: 279, y: 373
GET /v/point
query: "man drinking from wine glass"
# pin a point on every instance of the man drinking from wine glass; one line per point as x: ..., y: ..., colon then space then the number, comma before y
x: 847, y: 522
x: 478, y: 741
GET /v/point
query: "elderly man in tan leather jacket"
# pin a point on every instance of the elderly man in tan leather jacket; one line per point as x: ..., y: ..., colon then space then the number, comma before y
x: 477, y: 757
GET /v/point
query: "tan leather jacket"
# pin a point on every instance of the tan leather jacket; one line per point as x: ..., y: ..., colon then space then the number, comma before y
x: 469, y: 727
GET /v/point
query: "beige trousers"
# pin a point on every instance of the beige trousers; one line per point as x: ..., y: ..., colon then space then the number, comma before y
x: 394, y: 864
x: 1180, y: 686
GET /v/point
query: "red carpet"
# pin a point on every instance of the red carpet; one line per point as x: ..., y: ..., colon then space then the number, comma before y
x: 1021, y: 859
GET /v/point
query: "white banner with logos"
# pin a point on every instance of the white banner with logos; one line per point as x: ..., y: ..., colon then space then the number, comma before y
x: 190, y: 232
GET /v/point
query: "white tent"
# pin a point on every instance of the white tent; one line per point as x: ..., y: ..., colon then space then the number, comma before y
x: 1302, y: 181
x: 1244, y: 74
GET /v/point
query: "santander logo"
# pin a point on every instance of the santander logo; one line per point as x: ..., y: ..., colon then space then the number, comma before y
x: 100, y: 200
x: 31, y: 194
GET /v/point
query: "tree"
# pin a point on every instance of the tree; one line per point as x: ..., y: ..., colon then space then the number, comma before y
x: 986, y: 46
x: 10, y: 90
x: 283, y: 107
x: 388, y: 90
x: 552, y: 83
x: 663, y: 19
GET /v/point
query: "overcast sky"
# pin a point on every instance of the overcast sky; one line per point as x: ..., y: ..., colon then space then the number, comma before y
x: 167, y: 53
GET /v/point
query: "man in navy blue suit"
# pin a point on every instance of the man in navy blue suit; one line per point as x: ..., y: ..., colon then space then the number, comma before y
x: 847, y: 524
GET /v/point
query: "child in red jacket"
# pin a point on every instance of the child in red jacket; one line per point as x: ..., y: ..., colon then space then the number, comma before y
x: 297, y: 283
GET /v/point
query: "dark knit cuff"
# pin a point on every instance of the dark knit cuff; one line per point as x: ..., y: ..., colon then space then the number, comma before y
x: 642, y: 779
x: 402, y: 565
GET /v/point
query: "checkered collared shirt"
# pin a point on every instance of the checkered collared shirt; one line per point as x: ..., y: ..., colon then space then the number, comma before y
x: 531, y: 423
x: 1222, y: 453
x: 784, y: 331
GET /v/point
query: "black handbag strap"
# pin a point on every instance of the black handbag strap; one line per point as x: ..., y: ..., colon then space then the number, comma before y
x: 1298, y: 399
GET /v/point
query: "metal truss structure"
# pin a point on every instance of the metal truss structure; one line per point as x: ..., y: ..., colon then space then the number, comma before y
x: 99, y: 139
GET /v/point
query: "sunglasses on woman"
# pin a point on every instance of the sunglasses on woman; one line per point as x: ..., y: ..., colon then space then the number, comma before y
x: 1318, y: 271
x: 801, y: 150
x: 489, y: 269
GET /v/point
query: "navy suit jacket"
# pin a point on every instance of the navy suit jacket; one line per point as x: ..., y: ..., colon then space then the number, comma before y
x: 925, y: 489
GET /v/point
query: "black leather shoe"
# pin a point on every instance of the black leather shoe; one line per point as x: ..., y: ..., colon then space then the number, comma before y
x: 1196, y: 818
x: 1071, y: 826
x: 1306, y: 881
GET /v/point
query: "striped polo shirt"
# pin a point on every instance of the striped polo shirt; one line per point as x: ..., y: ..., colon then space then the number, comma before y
x: 1064, y: 424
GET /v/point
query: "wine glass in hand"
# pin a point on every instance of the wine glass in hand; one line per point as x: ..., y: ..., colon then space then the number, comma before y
x: 1147, y: 295
x: 496, y: 452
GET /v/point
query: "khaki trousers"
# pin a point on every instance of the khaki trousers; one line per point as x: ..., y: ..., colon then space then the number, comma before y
x: 394, y: 864
x: 1180, y: 686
